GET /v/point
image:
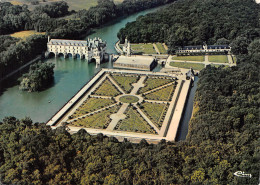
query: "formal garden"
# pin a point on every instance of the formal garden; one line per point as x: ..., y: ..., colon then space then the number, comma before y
x: 155, y: 111
x: 218, y: 58
x: 111, y: 101
x: 188, y: 65
x: 99, y: 120
x: 199, y: 58
x: 161, y: 48
x: 134, y: 122
x: 92, y: 104
x: 154, y: 82
x: 143, y: 48
x: 162, y: 94
x: 107, y: 88
x: 126, y: 81
x: 128, y: 99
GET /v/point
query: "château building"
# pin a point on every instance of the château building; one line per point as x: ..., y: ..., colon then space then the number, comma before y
x: 203, y: 49
x: 89, y: 49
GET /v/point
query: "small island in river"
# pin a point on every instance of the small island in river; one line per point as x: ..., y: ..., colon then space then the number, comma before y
x: 39, y: 77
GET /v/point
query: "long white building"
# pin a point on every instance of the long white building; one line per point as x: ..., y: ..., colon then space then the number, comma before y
x: 88, y: 49
x: 189, y: 50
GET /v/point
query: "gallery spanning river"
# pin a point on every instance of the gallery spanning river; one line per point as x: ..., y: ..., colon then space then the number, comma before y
x: 69, y: 76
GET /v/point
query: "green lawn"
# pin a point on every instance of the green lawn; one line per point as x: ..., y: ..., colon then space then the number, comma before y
x: 152, y: 83
x: 90, y: 105
x: 125, y: 82
x: 187, y: 65
x: 143, y: 48
x: 97, y: 120
x: 107, y: 89
x: 129, y: 99
x: 163, y: 94
x: 73, y: 4
x: 218, y: 58
x: 134, y: 123
x: 155, y: 111
x: 189, y: 58
x: 161, y: 48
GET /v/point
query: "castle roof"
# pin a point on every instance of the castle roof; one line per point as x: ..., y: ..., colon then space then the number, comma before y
x: 96, y: 42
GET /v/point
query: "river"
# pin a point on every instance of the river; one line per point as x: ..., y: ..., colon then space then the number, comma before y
x: 69, y: 76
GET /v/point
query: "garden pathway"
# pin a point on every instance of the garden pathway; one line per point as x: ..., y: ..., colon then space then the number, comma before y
x: 156, y: 49
x: 138, y: 85
x: 117, y: 117
x: 155, y: 101
x: 97, y: 96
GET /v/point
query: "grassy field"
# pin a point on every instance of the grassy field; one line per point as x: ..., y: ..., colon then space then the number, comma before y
x: 107, y: 89
x: 129, y: 99
x: 218, y: 58
x: 163, y: 94
x: 134, y: 123
x: 155, y: 112
x: 84, y: 4
x: 152, y: 83
x: 189, y: 58
x: 25, y: 34
x: 90, y: 105
x: 187, y: 65
x: 16, y: 3
x: 73, y: 4
x: 161, y: 48
x: 125, y: 82
x: 98, y: 120
x: 143, y: 49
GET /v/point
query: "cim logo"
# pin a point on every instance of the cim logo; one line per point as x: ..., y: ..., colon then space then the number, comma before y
x: 242, y: 174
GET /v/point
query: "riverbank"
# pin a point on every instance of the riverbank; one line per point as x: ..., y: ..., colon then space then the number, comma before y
x: 21, y: 68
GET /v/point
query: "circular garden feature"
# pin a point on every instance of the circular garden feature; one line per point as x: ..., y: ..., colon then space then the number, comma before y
x: 129, y: 99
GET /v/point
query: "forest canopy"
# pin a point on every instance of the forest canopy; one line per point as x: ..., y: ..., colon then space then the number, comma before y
x: 192, y: 22
x: 223, y: 133
x: 39, y: 77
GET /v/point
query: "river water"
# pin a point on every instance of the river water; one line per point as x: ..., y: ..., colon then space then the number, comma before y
x: 69, y: 76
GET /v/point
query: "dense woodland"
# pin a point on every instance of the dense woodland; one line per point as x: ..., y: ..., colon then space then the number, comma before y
x: 193, y: 22
x: 49, y: 19
x: 223, y: 134
x: 39, y: 77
